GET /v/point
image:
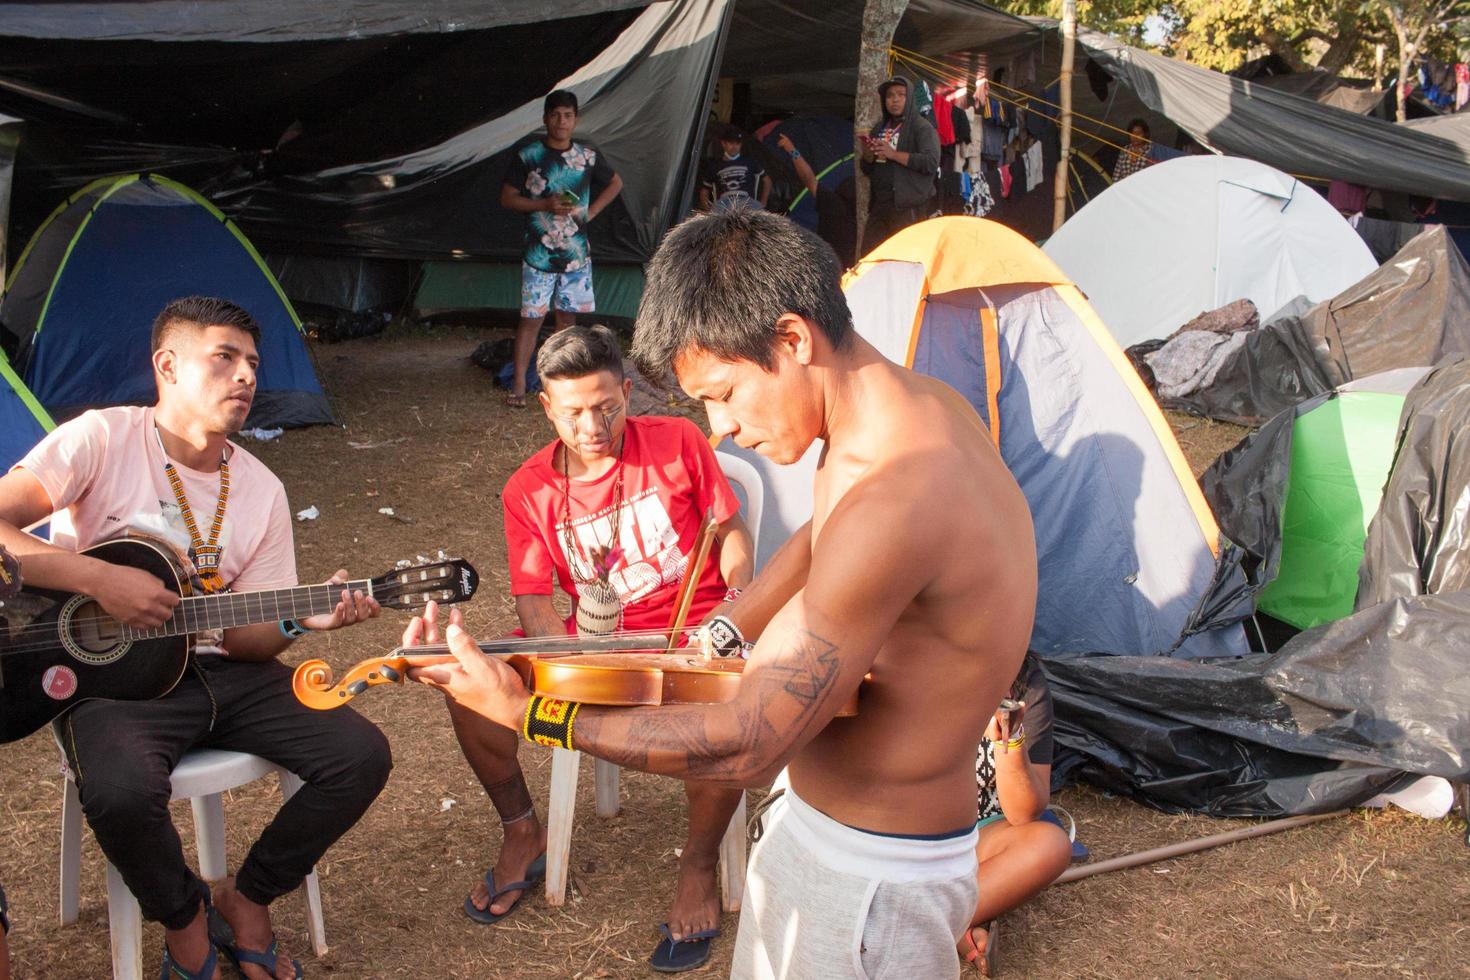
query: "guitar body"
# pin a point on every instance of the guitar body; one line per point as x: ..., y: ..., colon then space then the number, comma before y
x: 59, y: 648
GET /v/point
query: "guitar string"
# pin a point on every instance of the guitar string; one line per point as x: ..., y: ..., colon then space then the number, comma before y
x: 514, y: 643
x: 51, y: 628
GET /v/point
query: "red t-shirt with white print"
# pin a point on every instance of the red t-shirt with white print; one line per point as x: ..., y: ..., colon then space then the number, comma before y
x: 670, y: 479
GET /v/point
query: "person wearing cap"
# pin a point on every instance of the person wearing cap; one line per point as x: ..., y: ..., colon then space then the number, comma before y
x: 901, y: 158
x: 735, y: 178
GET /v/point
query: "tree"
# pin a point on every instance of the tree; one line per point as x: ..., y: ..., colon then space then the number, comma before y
x: 880, y: 21
x: 1414, y: 24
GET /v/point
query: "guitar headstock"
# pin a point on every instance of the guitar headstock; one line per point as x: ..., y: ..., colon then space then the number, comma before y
x: 443, y: 580
x: 9, y: 574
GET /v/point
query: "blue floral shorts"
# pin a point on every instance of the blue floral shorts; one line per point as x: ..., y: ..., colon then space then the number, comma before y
x: 572, y: 291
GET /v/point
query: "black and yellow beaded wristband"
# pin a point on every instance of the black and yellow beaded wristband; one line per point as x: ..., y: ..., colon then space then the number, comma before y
x: 549, y: 721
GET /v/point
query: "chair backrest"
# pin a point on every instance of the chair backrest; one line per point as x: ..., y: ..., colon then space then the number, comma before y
x: 748, y: 482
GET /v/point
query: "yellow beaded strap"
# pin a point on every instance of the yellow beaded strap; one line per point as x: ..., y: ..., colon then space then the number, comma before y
x: 206, y: 553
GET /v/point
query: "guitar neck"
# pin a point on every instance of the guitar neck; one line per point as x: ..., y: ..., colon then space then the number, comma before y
x: 230, y: 609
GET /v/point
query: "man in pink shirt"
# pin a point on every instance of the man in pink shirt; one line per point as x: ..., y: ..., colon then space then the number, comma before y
x: 151, y: 470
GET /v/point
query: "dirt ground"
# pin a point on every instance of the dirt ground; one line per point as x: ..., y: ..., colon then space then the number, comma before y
x: 1370, y: 894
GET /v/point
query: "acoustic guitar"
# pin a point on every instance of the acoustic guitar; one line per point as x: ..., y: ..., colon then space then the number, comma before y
x: 60, y: 648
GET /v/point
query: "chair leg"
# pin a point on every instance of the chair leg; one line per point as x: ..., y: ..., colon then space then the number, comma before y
x: 605, y: 776
x: 125, y: 923
x: 311, y: 888
x: 732, y: 860
x: 559, y: 812
x: 209, y: 835
x: 316, y: 927
x: 71, y: 853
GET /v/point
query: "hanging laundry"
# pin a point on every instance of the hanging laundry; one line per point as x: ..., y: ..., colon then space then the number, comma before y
x: 959, y: 123
x: 1462, y: 86
x: 1034, y: 166
x: 944, y: 116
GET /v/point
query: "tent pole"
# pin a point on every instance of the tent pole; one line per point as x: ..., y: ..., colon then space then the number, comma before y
x: 1069, y: 44
x: 1191, y: 846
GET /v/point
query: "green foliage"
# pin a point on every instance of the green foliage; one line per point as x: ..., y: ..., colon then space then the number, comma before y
x: 1338, y: 35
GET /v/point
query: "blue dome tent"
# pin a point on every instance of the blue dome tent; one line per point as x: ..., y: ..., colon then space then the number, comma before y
x: 80, y: 304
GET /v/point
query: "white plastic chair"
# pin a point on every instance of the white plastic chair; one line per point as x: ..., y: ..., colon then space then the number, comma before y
x: 566, y: 765
x: 201, y: 776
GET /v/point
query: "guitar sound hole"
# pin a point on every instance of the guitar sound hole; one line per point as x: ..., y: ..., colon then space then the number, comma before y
x: 91, y: 635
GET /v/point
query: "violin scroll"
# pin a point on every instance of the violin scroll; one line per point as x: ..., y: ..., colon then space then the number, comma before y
x: 312, y: 681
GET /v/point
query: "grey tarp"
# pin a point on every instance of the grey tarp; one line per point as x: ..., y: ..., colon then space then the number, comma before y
x: 1336, y: 714
x: 1297, y: 135
x: 1417, y: 543
x: 1412, y: 312
x: 278, y: 20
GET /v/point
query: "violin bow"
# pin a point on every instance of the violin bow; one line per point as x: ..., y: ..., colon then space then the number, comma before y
x: 702, y: 544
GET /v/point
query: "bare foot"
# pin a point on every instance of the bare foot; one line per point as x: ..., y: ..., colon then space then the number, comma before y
x: 696, y: 897
x: 189, y: 946
x: 525, y: 841
x: 252, y: 927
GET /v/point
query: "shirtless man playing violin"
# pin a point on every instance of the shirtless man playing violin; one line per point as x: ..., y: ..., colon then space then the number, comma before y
x: 918, y: 568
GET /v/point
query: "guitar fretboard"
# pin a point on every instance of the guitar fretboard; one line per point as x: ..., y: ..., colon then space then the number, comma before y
x: 196, y: 614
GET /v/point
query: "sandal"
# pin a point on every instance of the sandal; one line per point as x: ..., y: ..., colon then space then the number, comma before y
x: 534, y: 873
x: 172, y: 971
x: 986, y: 956
x: 515, y: 401
x: 677, y: 955
x: 222, y: 937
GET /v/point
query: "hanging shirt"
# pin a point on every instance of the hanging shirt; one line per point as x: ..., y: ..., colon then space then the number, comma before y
x: 670, y: 479
x: 1034, y: 166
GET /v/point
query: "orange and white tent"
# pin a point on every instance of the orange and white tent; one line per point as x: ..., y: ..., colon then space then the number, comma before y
x: 1127, y: 546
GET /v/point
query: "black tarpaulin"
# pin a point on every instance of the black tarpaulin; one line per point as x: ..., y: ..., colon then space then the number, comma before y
x: 1340, y: 712
x: 385, y: 141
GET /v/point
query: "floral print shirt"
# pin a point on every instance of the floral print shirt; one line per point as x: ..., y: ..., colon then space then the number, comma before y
x: 557, y: 242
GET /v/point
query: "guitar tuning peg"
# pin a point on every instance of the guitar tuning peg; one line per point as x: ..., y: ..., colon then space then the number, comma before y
x: 401, y: 564
x: 443, y: 555
x: 421, y: 559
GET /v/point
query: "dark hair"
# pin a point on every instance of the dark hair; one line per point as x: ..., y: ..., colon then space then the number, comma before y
x: 560, y: 99
x: 719, y: 282
x: 200, y: 312
x: 1139, y: 124
x: 579, y: 351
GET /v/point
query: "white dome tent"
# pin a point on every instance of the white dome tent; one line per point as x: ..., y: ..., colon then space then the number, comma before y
x: 1192, y: 234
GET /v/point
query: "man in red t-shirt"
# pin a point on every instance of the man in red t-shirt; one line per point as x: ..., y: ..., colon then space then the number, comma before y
x: 618, y: 499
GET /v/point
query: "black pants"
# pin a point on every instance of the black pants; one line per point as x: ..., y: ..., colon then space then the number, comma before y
x: 884, y: 220
x: 122, y: 752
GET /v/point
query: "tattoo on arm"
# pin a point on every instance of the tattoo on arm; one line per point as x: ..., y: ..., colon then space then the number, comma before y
x: 778, y: 705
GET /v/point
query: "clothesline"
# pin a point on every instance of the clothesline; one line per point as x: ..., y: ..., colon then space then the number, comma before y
x: 931, y: 75
x: 911, y: 56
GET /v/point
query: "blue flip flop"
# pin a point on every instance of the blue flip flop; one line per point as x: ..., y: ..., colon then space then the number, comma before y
x: 534, y: 873
x: 677, y: 955
x: 222, y: 937
x: 263, y: 958
x: 172, y: 971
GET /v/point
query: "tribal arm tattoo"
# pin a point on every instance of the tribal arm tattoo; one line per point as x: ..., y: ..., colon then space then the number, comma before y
x: 784, y: 699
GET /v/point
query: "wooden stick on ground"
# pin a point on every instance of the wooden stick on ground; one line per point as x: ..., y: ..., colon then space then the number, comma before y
x: 1191, y: 846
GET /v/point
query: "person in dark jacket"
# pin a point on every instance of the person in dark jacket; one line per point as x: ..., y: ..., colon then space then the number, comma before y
x: 901, y: 159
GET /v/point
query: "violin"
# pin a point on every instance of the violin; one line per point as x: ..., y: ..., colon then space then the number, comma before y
x: 624, y: 670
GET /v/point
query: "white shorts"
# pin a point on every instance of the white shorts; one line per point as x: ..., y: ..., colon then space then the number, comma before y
x: 825, y: 900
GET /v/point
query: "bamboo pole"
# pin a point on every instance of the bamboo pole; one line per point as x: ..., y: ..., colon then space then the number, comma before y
x: 1069, y: 45
x: 1191, y: 846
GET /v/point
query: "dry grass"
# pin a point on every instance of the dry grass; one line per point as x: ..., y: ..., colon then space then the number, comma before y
x: 1370, y: 894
